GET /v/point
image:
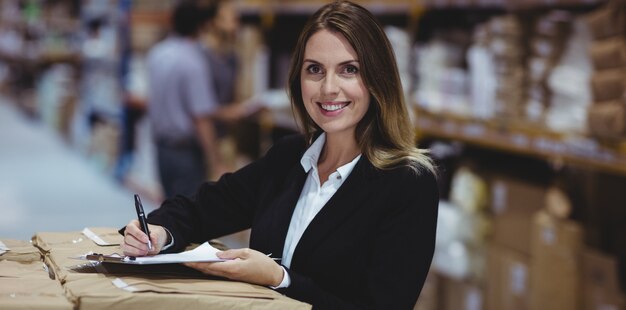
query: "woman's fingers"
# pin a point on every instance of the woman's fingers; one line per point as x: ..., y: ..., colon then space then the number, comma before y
x: 134, y: 230
x: 243, y: 265
x: 135, y: 240
x: 236, y: 253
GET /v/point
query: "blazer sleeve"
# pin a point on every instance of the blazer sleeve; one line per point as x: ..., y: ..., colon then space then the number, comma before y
x: 403, y: 248
x: 217, y: 208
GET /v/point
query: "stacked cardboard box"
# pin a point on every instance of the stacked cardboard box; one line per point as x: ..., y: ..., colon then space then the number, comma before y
x: 19, y: 251
x: 556, y: 246
x: 460, y: 295
x: 607, y: 115
x: 25, y: 282
x: 112, y: 286
x: 600, y: 283
x: 514, y: 202
x: 429, y: 297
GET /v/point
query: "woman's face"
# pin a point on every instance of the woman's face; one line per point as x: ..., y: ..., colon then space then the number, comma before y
x: 332, y: 89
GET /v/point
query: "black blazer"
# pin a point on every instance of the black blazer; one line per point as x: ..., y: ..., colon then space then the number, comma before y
x: 369, y: 247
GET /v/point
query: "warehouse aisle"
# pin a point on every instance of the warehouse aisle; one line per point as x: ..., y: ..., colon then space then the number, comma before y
x: 46, y: 186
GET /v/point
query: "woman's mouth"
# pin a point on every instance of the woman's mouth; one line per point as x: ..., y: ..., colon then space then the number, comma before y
x: 333, y: 106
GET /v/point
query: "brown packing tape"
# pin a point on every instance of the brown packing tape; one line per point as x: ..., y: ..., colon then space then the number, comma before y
x: 607, y: 119
x: 609, y: 53
x: 608, y: 84
x: 20, y: 251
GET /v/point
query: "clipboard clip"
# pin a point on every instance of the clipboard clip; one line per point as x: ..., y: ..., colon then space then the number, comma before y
x: 113, y: 258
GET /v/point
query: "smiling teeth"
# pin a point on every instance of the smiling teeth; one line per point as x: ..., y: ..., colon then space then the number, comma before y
x: 332, y: 107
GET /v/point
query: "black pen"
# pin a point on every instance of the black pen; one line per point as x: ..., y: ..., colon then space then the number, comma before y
x: 141, y: 216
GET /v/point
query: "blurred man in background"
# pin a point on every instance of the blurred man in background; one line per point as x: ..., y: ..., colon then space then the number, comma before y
x: 182, y: 104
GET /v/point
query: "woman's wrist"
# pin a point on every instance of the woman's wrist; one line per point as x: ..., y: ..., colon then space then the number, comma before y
x: 279, y: 275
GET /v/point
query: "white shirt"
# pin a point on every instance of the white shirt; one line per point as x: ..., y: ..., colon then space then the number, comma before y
x: 312, y: 198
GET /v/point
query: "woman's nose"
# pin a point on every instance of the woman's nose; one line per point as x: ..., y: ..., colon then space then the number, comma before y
x: 330, y: 85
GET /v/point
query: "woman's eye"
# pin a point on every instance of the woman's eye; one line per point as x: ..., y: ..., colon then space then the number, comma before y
x: 314, y: 69
x: 351, y: 69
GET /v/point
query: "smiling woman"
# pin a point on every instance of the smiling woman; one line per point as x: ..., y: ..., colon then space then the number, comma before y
x: 351, y: 205
x: 332, y: 89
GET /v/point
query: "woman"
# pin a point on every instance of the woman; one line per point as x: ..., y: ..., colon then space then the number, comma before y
x: 351, y: 206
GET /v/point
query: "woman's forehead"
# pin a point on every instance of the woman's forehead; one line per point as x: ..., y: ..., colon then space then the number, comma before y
x: 325, y: 45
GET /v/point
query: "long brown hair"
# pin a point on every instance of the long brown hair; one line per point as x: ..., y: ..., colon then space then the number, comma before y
x: 385, y: 134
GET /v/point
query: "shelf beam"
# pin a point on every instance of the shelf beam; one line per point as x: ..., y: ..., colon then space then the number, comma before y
x: 525, y: 140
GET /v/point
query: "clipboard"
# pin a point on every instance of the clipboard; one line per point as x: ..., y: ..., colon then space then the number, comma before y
x: 113, y: 258
x: 203, y: 253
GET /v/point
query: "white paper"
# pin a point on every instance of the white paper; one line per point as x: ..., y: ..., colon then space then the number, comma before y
x: 3, y: 248
x: 94, y: 237
x: 203, y: 253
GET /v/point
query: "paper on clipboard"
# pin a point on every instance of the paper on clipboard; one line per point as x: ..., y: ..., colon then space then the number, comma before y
x: 203, y: 253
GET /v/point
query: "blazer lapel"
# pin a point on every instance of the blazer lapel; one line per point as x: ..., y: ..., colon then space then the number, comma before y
x: 281, y: 210
x: 343, y: 203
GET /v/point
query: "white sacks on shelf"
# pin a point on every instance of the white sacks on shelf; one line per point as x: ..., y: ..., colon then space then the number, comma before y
x: 462, y: 227
x: 570, y: 84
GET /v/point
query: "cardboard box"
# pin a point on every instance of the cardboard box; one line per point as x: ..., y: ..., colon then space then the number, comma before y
x: 607, y: 119
x: 514, y: 203
x: 20, y: 251
x: 608, y: 54
x: 508, y: 279
x: 460, y: 295
x: 600, y: 284
x: 28, y: 286
x: 428, y: 299
x: 606, y: 21
x: 111, y: 286
x: 555, y: 263
x: 608, y: 85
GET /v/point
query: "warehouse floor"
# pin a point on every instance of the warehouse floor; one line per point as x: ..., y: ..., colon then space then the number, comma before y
x: 47, y: 186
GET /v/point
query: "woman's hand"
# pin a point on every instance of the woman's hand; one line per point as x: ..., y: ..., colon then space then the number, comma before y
x: 245, y: 265
x: 136, y: 241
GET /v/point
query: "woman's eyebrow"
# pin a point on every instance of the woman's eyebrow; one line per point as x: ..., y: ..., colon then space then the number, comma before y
x: 341, y: 63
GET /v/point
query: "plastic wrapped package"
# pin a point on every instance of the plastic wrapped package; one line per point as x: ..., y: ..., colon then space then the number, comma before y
x: 569, y: 83
x: 469, y: 191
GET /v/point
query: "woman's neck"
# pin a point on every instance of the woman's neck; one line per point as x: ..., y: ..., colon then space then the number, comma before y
x: 338, y: 151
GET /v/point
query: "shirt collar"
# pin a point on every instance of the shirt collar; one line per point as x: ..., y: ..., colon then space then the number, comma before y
x: 311, y: 156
